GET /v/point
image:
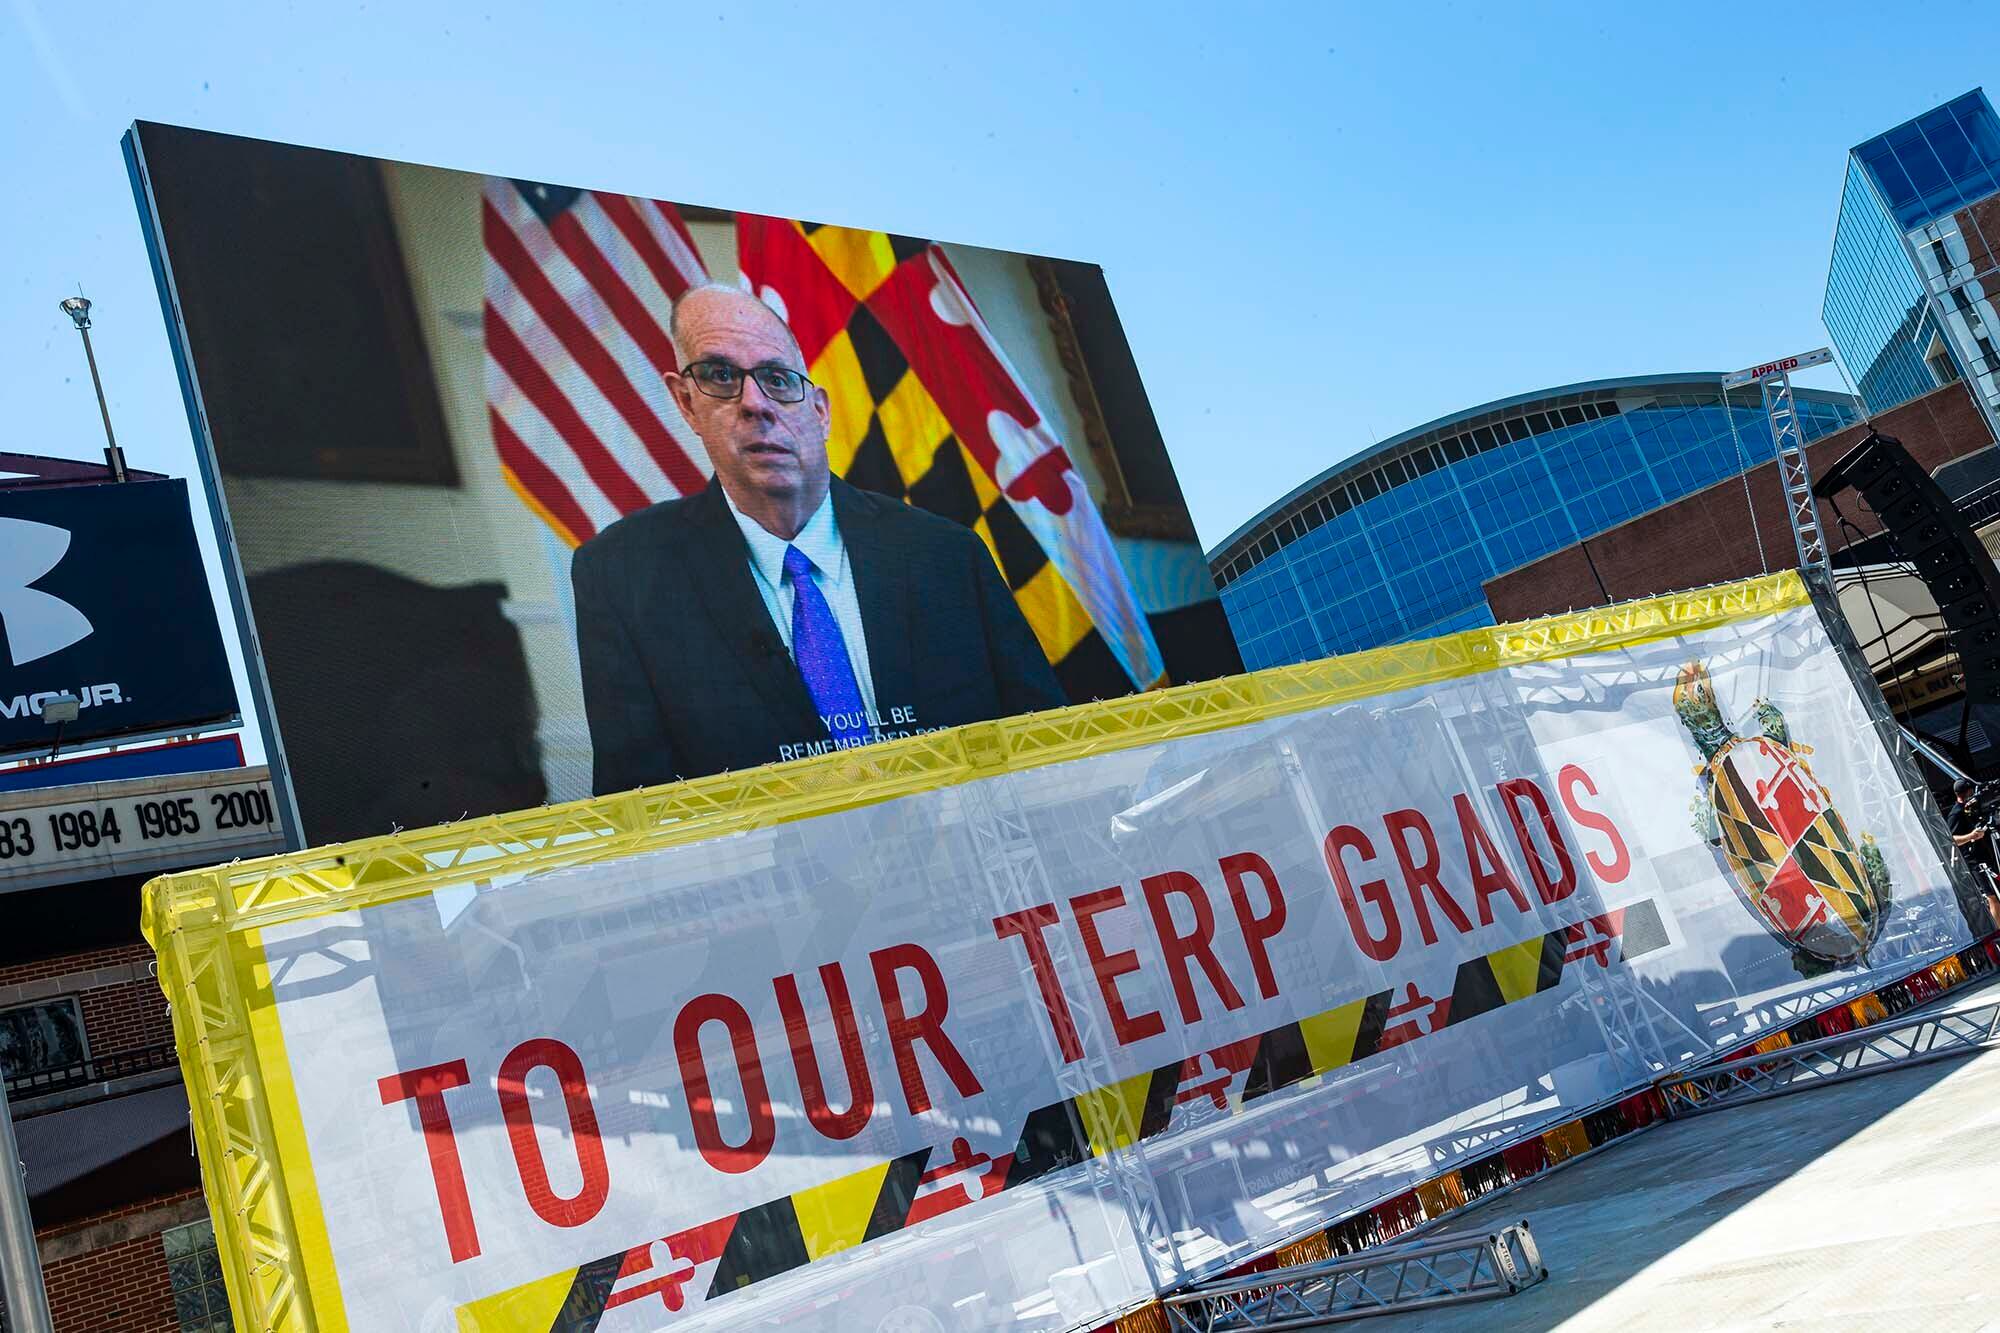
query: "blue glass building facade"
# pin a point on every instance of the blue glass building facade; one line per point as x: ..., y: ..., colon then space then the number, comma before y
x: 1398, y: 542
x: 1910, y: 288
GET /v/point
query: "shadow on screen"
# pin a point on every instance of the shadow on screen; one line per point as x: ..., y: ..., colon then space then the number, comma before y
x: 403, y: 703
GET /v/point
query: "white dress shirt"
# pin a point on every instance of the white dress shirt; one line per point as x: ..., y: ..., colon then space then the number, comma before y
x: 819, y: 541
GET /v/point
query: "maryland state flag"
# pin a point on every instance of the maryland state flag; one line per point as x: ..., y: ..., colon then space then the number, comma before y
x: 926, y: 408
x: 1811, y: 883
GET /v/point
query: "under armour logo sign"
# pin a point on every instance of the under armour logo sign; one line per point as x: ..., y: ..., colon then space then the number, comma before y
x: 35, y: 623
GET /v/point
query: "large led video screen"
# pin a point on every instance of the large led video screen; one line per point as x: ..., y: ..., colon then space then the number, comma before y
x: 541, y: 491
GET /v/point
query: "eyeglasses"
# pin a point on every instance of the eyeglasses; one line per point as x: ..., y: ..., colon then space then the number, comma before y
x: 719, y: 379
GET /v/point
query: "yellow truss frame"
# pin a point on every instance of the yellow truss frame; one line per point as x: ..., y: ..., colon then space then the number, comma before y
x: 206, y: 925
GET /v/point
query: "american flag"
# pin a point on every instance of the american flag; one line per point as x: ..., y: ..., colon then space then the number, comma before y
x: 579, y: 289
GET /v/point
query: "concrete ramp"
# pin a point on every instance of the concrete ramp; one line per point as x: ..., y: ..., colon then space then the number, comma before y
x: 1870, y: 1204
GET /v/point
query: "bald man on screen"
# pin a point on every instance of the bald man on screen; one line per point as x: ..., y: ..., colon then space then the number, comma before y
x: 781, y: 612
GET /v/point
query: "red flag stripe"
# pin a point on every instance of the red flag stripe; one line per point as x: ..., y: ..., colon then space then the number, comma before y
x: 652, y: 254
x: 773, y: 252
x: 533, y: 380
x: 575, y: 241
x: 624, y: 303
x: 953, y: 361
x: 589, y: 354
x: 678, y: 226
x: 540, y: 482
x: 570, y: 378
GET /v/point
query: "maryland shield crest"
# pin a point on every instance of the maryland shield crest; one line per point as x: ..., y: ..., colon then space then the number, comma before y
x: 1789, y: 854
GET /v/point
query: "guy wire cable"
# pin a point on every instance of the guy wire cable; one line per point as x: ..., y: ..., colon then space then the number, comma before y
x: 1743, y: 471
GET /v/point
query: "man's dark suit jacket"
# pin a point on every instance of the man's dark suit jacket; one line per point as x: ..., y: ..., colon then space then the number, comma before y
x: 684, y: 674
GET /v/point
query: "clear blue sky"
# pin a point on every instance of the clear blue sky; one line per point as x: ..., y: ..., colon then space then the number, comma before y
x: 1322, y: 224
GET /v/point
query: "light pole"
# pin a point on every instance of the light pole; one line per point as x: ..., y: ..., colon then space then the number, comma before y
x: 78, y: 309
x: 20, y: 1265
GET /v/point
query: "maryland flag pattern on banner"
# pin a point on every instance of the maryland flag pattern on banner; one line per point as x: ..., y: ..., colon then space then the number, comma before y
x: 927, y: 409
x: 681, y: 1272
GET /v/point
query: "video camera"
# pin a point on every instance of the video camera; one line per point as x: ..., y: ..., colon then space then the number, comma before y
x: 1982, y: 812
x: 1985, y: 802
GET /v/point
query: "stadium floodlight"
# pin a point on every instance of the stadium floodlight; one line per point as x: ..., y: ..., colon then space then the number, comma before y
x: 59, y: 712
x: 78, y: 309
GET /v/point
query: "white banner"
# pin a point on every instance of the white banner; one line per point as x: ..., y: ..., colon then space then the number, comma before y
x: 1022, y: 1051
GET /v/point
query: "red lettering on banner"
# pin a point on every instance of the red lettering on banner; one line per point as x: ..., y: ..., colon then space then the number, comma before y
x: 1198, y: 943
x: 1563, y: 883
x: 805, y: 1061
x: 1257, y: 930
x: 749, y: 1069
x: 1490, y: 874
x: 1109, y: 967
x: 926, y: 1025
x: 1027, y: 925
x: 427, y: 1087
x: 580, y: 1207
x: 1380, y: 947
x: 1418, y: 877
x: 1620, y: 865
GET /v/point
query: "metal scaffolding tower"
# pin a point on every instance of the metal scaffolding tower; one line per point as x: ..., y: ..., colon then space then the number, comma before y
x: 1450, y: 1270
x: 1018, y: 878
x: 1774, y: 384
x: 1896, y: 1044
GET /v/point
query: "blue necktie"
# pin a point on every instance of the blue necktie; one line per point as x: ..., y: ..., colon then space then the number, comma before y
x: 821, y: 653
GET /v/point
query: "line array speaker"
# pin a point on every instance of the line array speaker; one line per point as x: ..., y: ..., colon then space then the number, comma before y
x: 1934, y: 537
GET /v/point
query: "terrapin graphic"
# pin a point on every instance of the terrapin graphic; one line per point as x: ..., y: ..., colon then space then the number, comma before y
x: 1773, y: 824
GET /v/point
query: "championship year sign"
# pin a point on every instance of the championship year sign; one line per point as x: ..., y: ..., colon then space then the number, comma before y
x: 1022, y: 1024
x: 126, y: 826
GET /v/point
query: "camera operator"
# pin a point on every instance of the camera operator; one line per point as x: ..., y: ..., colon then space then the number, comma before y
x: 1970, y: 827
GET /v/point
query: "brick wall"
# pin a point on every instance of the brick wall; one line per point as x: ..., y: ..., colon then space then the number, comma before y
x: 1980, y: 226
x: 122, y: 1288
x: 1708, y: 538
x: 123, y: 1008
x: 126, y: 1017
x: 109, y: 1272
x: 119, y: 1224
x: 70, y: 964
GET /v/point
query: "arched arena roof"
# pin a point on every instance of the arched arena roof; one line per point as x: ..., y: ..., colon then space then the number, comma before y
x: 1375, y: 470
